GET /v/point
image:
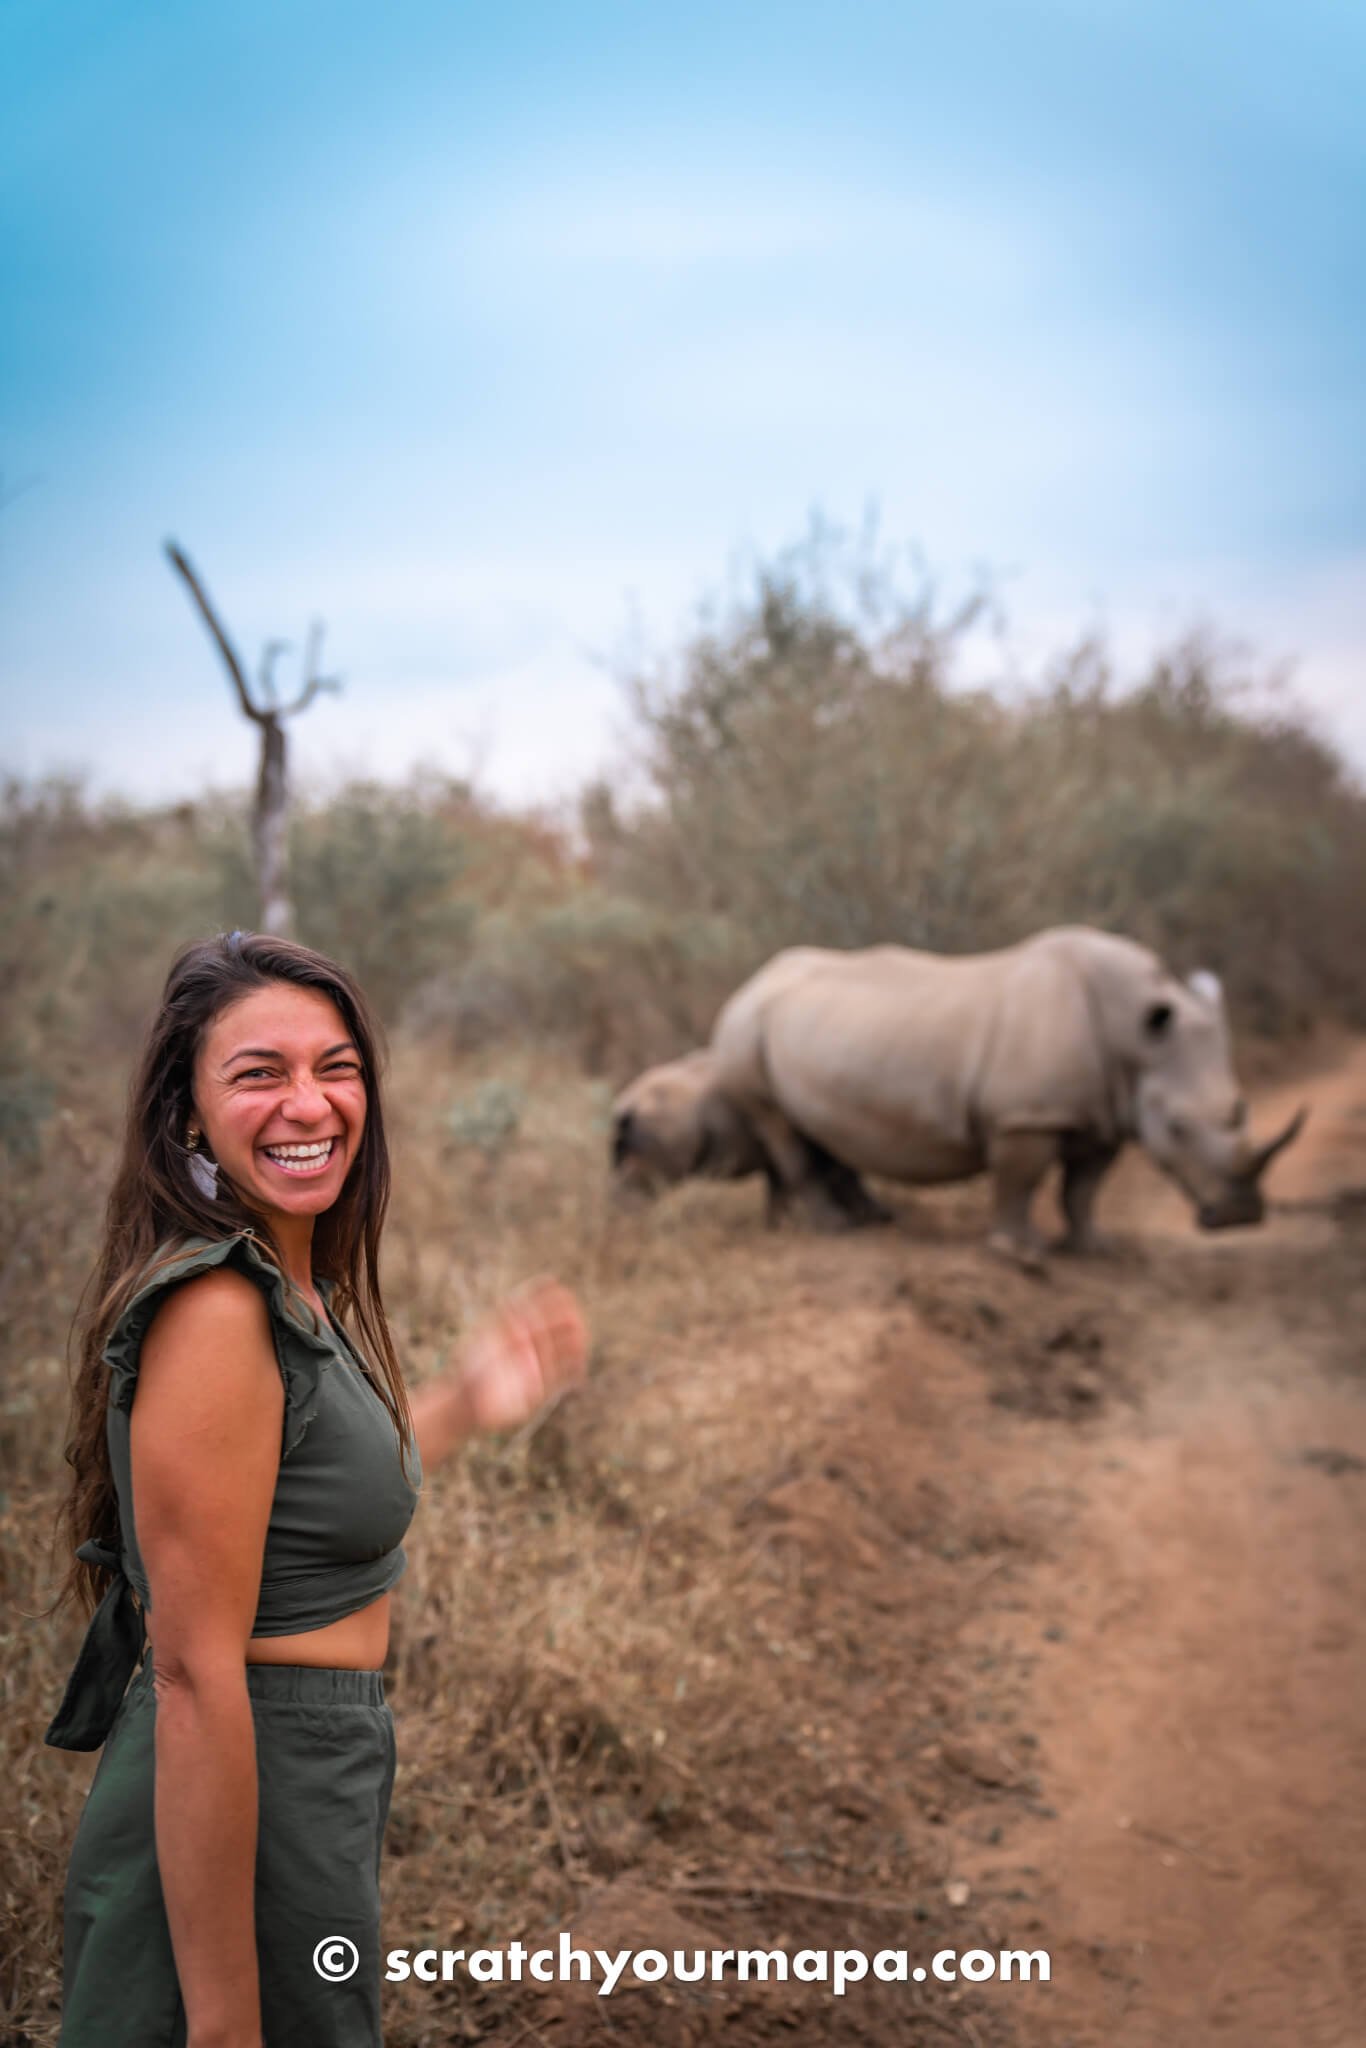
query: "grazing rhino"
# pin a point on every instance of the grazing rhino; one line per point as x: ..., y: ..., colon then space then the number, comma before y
x: 673, y: 1123
x: 927, y: 1068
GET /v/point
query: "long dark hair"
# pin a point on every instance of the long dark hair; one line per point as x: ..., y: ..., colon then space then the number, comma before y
x: 157, y: 1202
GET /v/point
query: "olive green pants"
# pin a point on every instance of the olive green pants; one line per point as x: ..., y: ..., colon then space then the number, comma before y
x: 325, y: 1772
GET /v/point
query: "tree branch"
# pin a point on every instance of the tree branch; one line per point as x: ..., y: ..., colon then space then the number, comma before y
x: 307, y: 695
x: 265, y: 675
x: 225, y: 646
x: 313, y: 682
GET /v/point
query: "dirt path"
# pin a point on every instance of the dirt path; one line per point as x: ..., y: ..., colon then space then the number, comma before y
x: 1201, y: 1700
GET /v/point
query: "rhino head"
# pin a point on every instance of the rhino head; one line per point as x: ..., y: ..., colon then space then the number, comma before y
x: 1190, y: 1114
x: 671, y: 1123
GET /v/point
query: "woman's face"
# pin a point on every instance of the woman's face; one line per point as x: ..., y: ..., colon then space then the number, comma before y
x: 280, y: 1094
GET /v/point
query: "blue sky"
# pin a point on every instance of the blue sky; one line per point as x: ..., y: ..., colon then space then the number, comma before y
x: 481, y: 331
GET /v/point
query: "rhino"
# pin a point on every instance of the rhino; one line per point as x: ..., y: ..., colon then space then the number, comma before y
x: 927, y: 1068
x: 673, y: 1123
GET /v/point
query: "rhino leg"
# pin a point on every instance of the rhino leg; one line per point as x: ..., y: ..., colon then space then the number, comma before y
x: 820, y: 1202
x: 786, y: 1160
x: 1018, y: 1161
x: 803, y: 1179
x: 859, y: 1209
x: 1084, y: 1167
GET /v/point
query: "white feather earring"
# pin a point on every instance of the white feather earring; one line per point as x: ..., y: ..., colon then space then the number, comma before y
x: 203, y: 1172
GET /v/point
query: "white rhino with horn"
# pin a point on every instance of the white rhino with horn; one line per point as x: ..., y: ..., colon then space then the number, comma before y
x: 927, y: 1068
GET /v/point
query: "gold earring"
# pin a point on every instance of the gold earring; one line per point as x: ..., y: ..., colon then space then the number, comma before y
x: 192, y: 1137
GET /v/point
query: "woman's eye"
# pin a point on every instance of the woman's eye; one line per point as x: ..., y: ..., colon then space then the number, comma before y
x: 267, y: 1073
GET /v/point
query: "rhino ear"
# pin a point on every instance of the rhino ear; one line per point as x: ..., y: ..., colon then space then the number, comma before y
x: 1208, y: 987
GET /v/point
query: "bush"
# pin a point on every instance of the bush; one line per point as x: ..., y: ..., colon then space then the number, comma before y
x: 814, y: 775
x: 488, y: 1119
x: 377, y: 877
x: 614, y: 980
x: 94, y: 900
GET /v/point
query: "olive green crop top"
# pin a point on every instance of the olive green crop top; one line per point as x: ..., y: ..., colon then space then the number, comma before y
x: 343, y: 1495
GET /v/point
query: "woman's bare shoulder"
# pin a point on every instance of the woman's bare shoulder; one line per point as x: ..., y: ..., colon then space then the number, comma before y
x: 218, y: 1319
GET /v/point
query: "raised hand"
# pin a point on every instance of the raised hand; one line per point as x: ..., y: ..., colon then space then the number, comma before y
x: 532, y: 1348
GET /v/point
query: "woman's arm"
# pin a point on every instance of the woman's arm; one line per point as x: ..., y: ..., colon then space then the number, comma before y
x: 535, y: 1346
x: 205, y: 1441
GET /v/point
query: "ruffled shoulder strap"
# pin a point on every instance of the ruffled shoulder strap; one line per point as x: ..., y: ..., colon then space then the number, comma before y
x: 301, y: 1345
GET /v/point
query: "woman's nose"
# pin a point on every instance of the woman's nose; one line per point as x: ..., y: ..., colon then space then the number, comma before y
x: 305, y: 1100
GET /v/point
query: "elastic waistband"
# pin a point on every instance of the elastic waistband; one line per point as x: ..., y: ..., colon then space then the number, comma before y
x: 315, y: 1685
x: 304, y: 1685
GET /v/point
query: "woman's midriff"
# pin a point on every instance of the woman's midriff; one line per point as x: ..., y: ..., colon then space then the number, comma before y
x: 358, y: 1642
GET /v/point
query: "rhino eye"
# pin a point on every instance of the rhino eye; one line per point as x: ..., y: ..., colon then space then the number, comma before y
x: 1158, y: 1020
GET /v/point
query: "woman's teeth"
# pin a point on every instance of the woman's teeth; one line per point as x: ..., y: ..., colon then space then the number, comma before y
x: 301, y: 1158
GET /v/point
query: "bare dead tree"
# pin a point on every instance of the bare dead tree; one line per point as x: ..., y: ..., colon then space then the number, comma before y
x: 270, y: 814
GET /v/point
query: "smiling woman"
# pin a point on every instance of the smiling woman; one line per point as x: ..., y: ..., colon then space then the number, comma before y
x: 244, y: 1475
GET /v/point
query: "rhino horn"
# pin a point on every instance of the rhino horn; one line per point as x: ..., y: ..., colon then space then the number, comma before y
x: 1264, y: 1154
x: 1230, y: 1154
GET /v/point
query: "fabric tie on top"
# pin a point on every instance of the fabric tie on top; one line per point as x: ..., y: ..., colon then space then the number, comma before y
x: 108, y: 1657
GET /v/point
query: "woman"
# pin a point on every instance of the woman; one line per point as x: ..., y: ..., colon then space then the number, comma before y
x: 244, y: 1475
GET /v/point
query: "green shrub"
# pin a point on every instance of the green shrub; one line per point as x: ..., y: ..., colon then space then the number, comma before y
x: 377, y: 879
x: 488, y: 1119
x: 613, y: 979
